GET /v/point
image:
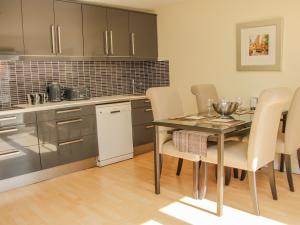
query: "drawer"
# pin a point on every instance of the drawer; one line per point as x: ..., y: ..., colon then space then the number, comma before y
x: 141, y: 103
x: 65, y: 130
x: 19, y: 161
x: 66, y: 113
x: 142, y: 134
x: 18, y: 136
x: 54, y: 154
x: 141, y: 116
x: 20, y: 118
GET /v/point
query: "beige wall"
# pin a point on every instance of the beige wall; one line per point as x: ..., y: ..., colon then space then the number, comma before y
x: 198, y: 37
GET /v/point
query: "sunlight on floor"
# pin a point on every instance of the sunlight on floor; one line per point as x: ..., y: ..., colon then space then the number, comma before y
x: 193, y: 211
x: 151, y: 222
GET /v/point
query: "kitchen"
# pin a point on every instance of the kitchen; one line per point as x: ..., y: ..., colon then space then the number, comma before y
x: 73, y: 106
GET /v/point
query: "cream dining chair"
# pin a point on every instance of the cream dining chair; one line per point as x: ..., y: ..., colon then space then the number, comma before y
x: 288, y: 143
x: 165, y: 103
x: 260, y: 150
x: 203, y: 92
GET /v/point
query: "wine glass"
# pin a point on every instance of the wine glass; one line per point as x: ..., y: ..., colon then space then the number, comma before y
x: 210, y: 102
x: 240, y: 102
x: 223, y: 106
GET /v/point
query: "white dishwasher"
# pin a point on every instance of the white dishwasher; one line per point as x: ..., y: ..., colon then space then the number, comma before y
x: 114, y: 130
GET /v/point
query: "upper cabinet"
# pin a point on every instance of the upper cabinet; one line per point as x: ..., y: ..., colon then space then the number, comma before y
x: 143, y: 35
x: 11, y: 34
x: 95, y: 33
x: 39, y: 27
x: 68, y: 20
x: 118, y: 32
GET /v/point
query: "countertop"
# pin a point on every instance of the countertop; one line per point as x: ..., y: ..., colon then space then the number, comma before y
x: 65, y: 104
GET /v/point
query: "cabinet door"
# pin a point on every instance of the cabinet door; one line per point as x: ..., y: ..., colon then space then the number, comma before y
x: 143, y: 34
x: 118, y: 32
x: 11, y: 37
x: 38, y: 25
x: 68, y: 19
x: 95, y: 34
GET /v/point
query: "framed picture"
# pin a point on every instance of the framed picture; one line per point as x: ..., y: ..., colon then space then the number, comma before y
x: 259, y: 45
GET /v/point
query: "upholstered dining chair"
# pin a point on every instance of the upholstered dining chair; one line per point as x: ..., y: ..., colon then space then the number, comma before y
x: 165, y: 102
x: 260, y: 150
x: 203, y: 92
x: 288, y: 143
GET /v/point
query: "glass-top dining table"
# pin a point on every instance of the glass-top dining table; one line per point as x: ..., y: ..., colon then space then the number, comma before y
x: 208, y: 124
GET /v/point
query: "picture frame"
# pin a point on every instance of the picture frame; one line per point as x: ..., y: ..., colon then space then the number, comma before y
x: 259, y: 45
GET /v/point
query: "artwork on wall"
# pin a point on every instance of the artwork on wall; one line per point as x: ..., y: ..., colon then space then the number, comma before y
x: 259, y: 45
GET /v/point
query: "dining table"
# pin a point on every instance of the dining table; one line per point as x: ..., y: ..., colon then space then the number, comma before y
x: 204, y: 123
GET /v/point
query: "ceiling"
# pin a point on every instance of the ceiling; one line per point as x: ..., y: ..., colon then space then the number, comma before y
x: 144, y: 5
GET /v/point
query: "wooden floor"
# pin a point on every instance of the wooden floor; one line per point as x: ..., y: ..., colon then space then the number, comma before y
x: 123, y: 194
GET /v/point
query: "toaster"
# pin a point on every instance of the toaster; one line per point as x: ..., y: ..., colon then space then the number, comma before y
x: 76, y: 93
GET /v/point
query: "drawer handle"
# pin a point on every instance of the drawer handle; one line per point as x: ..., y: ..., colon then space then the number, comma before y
x: 4, y: 154
x: 69, y: 121
x: 8, y: 131
x: 8, y: 118
x: 69, y: 111
x: 117, y: 111
x: 70, y: 142
x: 148, y: 110
x: 147, y: 101
x: 149, y: 127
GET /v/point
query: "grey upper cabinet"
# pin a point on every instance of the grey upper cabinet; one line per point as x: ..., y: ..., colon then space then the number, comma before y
x: 11, y: 33
x: 143, y: 35
x: 68, y: 19
x: 95, y: 33
x: 118, y: 27
x: 39, y: 27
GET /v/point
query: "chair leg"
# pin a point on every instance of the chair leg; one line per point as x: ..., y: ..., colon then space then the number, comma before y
x: 227, y: 175
x: 298, y: 153
x: 281, y: 162
x: 179, y: 166
x: 196, y: 180
x: 272, y: 180
x: 253, y: 190
x: 203, y: 180
x: 160, y: 162
x: 288, y: 167
x: 235, y: 173
x: 243, y: 175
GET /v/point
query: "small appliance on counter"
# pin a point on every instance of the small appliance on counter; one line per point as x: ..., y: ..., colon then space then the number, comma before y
x: 54, y: 92
x: 76, y: 93
x: 36, y: 98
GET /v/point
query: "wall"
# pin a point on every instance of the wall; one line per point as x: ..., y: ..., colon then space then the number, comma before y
x: 103, y: 78
x: 198, y: 37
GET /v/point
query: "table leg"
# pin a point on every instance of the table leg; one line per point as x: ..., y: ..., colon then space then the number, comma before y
x: 220, y: 184
x: 156, y: 161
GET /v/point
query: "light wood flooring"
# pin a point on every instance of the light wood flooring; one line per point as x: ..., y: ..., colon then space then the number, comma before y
x: 123, y: 193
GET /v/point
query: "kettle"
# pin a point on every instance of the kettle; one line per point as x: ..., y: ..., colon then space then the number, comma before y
x: 54, y: 92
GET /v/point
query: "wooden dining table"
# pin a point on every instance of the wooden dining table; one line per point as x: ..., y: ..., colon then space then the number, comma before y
x: 219, y: 129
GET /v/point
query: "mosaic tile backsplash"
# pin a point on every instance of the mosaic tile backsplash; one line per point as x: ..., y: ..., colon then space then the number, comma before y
x: 104, y: 78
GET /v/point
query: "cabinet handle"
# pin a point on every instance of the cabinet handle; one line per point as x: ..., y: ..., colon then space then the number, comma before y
x: 70, y: 142
x: 8, y: 118
x: 133, y: 43
x: 69, y: 111
x: 53, y: 39
x: 147, y: 101
x: 8, y: 131
x: 59, y: 38
x: 117, y: 111
x: 69, y: 121
x: 4, y: 154
x: 148, y: 110
x: 149, y: 127
x: 111, y: 42
x: 106, y: 42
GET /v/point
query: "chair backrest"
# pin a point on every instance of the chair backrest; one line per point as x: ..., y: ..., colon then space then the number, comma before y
x: 266, y: 119
x: 203, y: 92
x: 165, y: 103
x: 292, y: 139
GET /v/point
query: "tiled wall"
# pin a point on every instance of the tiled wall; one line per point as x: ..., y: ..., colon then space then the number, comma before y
x: 104, y: 78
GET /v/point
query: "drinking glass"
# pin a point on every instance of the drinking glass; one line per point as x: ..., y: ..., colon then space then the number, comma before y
x: 240, y: 102
x: 210, y: 102
x: 223, y: 106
